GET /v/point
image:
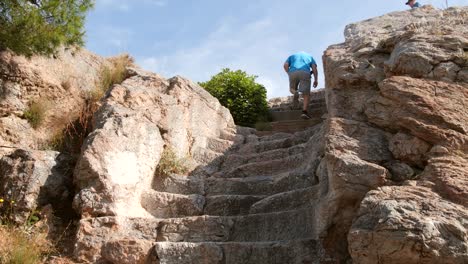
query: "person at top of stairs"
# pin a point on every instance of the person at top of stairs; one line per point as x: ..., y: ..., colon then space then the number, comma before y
x: 298, y: 67
x: 413, y: 4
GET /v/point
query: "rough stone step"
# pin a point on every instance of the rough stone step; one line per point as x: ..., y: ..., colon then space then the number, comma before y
x: 266, y: 145
x: 170, y: 205
x: 180, y: 184
x: 230, y: 205
x: 263, y: 168
x: 219, y: 145
x: 296, y: 124
x: 285, y: 225
x: 295, y: 114
x: 235, y: 160
x: 275, y: 252
x: 296, y: 199
x: 259, y: 185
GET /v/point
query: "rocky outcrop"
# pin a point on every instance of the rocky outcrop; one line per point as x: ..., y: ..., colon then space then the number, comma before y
x: 116, y: 172
x: 59, y: 83
x: 400, y: 76
x: 33, y: 179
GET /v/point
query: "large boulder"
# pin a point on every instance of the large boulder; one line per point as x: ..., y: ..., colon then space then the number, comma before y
x: 409, y: 224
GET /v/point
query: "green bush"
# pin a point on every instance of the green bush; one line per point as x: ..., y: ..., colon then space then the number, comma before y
x: 238, y: 91
x: 31, y: 27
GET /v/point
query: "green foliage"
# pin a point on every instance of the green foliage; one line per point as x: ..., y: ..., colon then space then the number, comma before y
x: 170, y: 164
x: 239, y: 92
x: 31, y: 27
x: 36, y: 113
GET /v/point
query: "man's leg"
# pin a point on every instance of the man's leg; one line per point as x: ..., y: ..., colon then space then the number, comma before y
x: 305, y: 106
x: 293, y: 88
x: 304, y: 88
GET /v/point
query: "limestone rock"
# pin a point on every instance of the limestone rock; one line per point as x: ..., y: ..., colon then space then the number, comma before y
x: 32, y: 179
x: 138, y: 119
x: 60, y: 83
x: 409, y: 148
x: 401, y: 74
x: 409, y: 224
x: 433, y: 111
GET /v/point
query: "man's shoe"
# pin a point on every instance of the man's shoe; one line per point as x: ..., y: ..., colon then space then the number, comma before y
x: 305, y: 115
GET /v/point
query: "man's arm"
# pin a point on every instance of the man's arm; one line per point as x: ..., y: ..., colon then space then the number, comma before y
x: 286, y: 67
x: 315, y: 72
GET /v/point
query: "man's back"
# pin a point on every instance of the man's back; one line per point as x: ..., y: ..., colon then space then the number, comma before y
x: 300, y: 61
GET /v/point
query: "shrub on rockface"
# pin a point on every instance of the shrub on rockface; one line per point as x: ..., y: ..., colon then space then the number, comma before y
x: 30, y: 27
x: 238, y: 91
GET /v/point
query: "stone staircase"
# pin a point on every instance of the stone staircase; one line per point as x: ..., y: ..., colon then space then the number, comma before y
x: 286, y: 117
x: 255, y: 205
x: 252, y: 205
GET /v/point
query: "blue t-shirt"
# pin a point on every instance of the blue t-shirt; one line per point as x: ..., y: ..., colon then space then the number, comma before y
x: 300, y: 61
x: 416, y: 5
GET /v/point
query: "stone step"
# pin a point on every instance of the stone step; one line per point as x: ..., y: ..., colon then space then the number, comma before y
x: 230, y: 205
x: 303, y: 251
x: 296, y: 199
x: 294, y: 125
x: 259, y: 185
x: 219, y: 145
x: 170, y: 205
x: 235, y: 160
x: 295, y: 114
x: 180, y: 184
x: 285, y: 225
x: 263, y: 168
x: 272, y: 142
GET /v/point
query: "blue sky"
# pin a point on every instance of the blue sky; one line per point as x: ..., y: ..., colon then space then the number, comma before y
x: 196, y: 39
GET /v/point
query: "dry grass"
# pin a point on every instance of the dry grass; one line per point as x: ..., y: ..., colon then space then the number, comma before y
x: 72, y: 132
x: 19, y: 246
x: 171, y: 164
x: 36, y: 112
x: 115, y: 74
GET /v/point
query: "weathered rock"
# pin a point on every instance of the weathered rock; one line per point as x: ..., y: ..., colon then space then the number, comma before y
x: 432, y: 111
x: 449, y: 173
x: 400, y: 171
x: 401, y: 74
x: 409, y: 149
x: 116, y: 172
x: 31, y: 179
x: 409, y: 224
x: 63, y: 79
x: 446, y: 71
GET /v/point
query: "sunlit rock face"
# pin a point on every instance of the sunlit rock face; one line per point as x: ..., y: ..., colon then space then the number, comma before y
x: 403, y: 74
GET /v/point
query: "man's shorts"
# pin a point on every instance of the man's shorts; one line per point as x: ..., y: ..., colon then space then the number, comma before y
x: 299, y: 81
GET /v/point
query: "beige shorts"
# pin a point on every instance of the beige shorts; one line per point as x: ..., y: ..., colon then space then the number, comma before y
x: 299, y: 81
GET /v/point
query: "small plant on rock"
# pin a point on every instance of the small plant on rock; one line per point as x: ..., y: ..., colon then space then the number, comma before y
x: 36, y: 113
x: 171, y: 164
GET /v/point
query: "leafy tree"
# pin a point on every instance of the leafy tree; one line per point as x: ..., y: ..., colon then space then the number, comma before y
x: 239, y: 92
x: 30, y: 27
